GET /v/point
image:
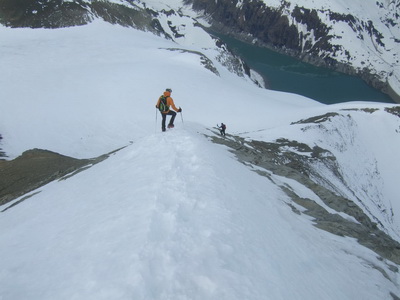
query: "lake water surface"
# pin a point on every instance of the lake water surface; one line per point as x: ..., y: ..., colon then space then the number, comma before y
x: 284, y: 73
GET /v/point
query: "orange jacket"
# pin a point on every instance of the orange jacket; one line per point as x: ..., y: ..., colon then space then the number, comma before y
x: 170, y: 102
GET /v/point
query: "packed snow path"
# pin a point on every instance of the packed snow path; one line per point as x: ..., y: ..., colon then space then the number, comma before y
x: 174, y: 216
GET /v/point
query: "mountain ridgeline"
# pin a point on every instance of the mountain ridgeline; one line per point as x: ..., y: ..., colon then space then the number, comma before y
x: 58, y: 14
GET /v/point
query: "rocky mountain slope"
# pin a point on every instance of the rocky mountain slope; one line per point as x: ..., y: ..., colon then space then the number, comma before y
x: 59, y: 13
x: 355, y: 37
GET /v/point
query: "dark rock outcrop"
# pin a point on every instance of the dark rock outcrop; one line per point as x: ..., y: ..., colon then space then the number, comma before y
x: 36, y: 168
x: 253, y: 17
x: 57, y: 14
x: 33, y: 169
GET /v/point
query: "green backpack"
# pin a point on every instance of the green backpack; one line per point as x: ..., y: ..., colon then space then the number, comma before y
x: 163, y: 107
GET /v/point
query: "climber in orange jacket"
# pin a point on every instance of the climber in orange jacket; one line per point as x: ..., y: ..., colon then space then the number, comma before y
x: 163, y: 104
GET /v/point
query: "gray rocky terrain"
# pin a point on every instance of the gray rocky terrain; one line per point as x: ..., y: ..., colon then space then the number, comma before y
x: 268, y: 156
x: 35, y: 168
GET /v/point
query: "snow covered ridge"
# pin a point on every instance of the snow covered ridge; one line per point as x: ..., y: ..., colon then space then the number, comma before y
x: 111, y: 235
x: 357, y: 37
x: 172, y: 215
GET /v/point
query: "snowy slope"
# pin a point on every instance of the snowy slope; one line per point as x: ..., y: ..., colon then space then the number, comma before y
x: 194, y: 226
x: 145, y: 227
x: 89, y: 78
x: 171, y: 216
x: 364, y: 144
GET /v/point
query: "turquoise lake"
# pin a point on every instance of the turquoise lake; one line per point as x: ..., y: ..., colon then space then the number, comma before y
x: 284, y: 73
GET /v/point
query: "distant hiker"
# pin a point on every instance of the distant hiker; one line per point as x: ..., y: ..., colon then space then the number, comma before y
x: 222, y: 129
x: 163, y: 104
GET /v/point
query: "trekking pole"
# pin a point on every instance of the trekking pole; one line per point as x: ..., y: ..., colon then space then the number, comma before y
x: 182, y: 118
x: 155, y: 126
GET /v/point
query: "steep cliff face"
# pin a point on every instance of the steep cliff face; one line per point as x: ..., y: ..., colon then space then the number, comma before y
x: 361, y: 41
x: 252, y: 17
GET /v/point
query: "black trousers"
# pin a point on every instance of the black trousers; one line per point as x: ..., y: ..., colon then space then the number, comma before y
x: 164, y: 118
